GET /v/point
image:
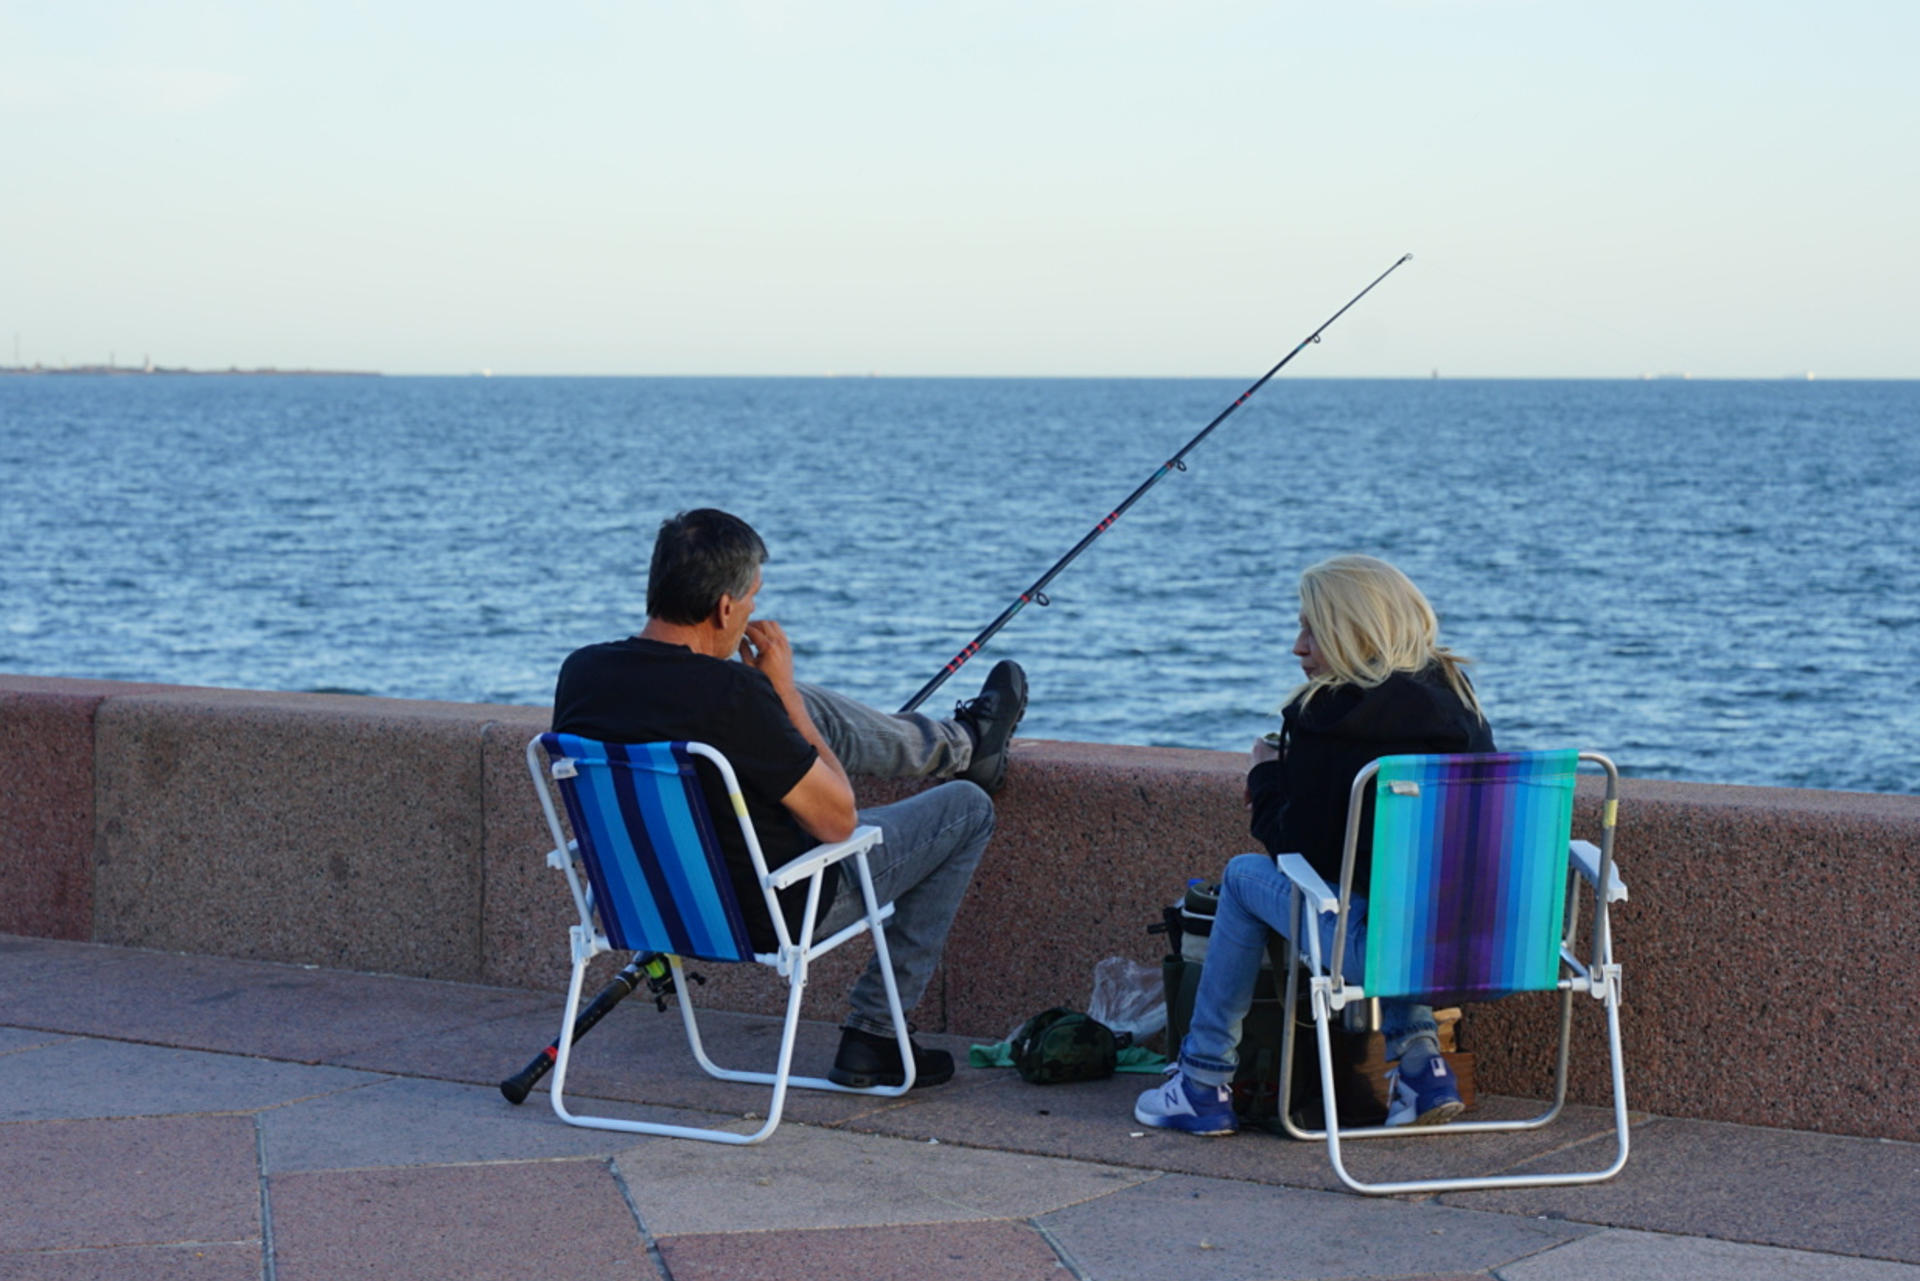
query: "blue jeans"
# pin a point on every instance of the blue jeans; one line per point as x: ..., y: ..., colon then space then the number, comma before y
x: 1255, y: 898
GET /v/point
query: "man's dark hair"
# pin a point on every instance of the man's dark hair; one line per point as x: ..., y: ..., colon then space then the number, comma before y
x: 698, y: 557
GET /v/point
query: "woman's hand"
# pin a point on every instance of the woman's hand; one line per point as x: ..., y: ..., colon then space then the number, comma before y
x: 1265, y: 750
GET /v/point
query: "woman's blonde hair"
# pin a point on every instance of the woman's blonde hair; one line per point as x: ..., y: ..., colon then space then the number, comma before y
x: 1369, y: 621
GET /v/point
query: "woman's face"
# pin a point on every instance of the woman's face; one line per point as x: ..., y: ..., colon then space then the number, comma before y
x: 1308, y: 651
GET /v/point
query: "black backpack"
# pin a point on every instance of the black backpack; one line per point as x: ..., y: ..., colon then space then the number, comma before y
x: 1060, y: 1045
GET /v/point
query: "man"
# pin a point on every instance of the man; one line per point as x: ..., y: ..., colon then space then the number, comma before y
x: 793, y: 747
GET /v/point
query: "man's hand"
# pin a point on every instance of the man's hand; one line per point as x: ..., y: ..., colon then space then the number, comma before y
x: 765, y: 648
x: 822, y: 801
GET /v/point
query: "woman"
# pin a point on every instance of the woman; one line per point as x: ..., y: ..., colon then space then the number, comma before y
x: 1378, y: 683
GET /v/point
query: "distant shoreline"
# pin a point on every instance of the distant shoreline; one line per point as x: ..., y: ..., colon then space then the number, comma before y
x: 126, y: 371
x: 130, y: 371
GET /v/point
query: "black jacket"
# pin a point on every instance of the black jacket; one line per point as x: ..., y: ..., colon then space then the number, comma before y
x: 1300, y: 801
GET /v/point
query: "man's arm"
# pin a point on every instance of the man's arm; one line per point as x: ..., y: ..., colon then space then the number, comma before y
x: 822, y: 801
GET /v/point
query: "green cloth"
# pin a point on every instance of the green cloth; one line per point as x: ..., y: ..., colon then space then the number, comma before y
x: 1135, y: 1058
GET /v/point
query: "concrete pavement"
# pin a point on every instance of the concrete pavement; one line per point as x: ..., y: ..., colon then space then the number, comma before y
x: 180, y: 1116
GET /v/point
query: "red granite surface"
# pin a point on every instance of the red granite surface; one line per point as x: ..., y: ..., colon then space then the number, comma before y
x: 46, y: 804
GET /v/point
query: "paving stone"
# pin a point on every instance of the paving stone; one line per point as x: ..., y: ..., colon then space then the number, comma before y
x: 86, y: 1076
x: 482, y: 1049
x: 474, y: 1222
x: 1634, y: 1256
x: 1747, y: 1183
x: 994, y: 1251
x: 17, y: 1038
x: 399, y: 1158
x: 802, y: 1177
x: 407, y: 1121
x: 1218, y: 1230
x: 129, y: 1181
x: 196, y: 1262
x: 291, y: 1012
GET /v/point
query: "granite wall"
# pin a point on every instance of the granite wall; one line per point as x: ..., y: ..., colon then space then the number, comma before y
x: 1760, y: 945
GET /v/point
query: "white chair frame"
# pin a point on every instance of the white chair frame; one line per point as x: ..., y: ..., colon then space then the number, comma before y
x: 790, y: 959
x: 1331, y: 992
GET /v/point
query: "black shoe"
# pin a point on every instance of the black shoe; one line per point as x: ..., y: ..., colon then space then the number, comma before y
x: 991, y: 716
x: 866, y: 1060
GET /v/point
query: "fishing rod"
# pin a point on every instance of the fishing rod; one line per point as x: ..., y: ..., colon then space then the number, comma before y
x: 651, y: 968
x: 1036, y: 594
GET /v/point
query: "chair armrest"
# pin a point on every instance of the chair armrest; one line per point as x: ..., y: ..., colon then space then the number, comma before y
x: 821, y: 856
x: 1319, y: 897
x: 1586, y: 857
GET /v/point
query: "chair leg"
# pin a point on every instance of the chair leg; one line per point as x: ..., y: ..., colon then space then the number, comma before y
x: 779, y: 1079
x: 1288, y: 1036
x: 691, y: 1023
x: 789, y: 1033
x: 884, y: 959
x: 1330, y: 1112
x: 783, y: 1076
x: 898, y: 1014
x: 1616, y: 1053
x: 1617, y: 1064
x: 556, y: 1089
x: 563, y: 1060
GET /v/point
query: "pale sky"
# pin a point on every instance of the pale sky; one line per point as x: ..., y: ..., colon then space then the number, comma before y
x: 1038, y: 188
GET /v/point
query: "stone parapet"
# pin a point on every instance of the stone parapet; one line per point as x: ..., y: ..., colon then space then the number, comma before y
x: 46, y: 803
x: 1765, y: 925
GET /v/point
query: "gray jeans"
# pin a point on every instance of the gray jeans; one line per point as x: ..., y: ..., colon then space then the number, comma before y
x: 931, y: 843
x: 886, y: 744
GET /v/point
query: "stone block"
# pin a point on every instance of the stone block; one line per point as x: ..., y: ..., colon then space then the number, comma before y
x: 1090, y: 842
x: 323, y: 829
x: 46, y: 807
x: 1762, y: 952
x: 524, y: 909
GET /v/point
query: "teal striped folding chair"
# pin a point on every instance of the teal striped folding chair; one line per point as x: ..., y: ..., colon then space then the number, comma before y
x: 1472, y: 898
x: 656, y: 881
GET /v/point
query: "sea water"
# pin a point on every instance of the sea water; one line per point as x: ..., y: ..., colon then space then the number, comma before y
x: 1715, y: 581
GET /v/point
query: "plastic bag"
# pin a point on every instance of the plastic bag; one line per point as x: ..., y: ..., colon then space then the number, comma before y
x: 1128, y: 997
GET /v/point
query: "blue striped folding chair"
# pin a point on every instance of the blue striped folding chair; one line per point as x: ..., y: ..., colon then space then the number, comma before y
x: 656, y: 881
x: 1470, y: 899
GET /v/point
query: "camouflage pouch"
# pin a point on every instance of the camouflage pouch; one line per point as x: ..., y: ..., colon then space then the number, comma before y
x: 1063, y: 1045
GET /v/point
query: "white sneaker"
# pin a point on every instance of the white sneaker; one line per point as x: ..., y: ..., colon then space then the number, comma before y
x: 1181, y: 1104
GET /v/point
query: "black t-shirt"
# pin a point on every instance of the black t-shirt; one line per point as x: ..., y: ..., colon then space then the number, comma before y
x: 645, y: 691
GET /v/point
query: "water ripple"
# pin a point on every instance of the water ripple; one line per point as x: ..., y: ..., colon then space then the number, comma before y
x: 1715, y: 581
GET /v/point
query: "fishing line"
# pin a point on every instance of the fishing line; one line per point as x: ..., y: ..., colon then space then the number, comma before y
x: 1036, y: 594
